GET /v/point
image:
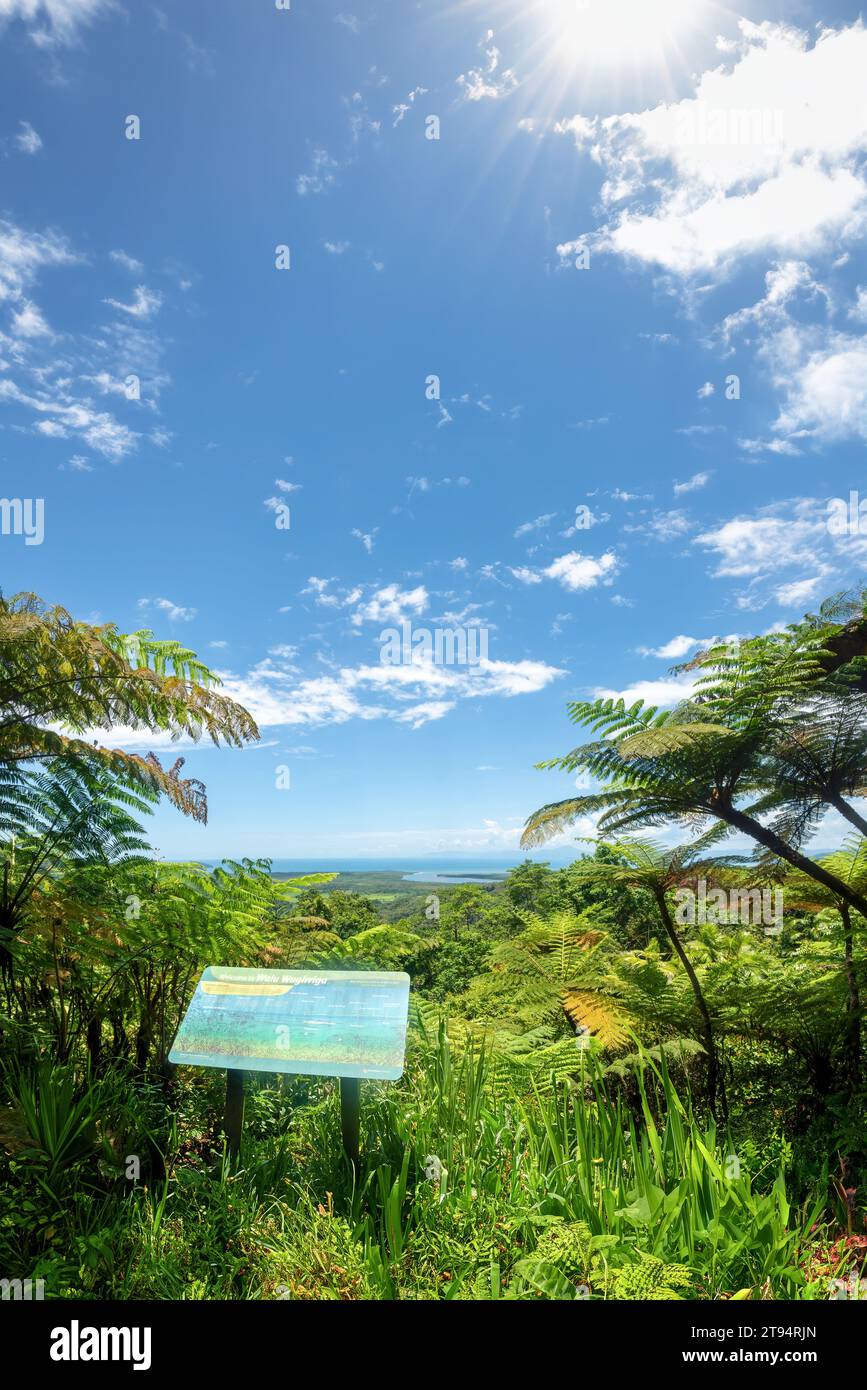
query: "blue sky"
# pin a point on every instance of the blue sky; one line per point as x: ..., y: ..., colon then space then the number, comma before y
x: 708, y: 169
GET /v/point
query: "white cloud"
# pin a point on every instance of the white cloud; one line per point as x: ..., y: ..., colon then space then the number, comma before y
x: 488, y: 837
x: 320, y: 590
x: 145, y: 303
x: 800, y: 209
x: 28, y: 140
x: 764, y: 156
x: 127, y: 262
x: 827, y: 392
x: 769, y: 446
x: 487, y: 83
x: 859, y: 308
x: 322, y: 174
x: 575, y: 571
x: 24, y: 254
x: 820, y: 371
x: 54, y: 22
x: 783, y: 282
x: 674, y: 649
x: 67, y: 416
x: 174, y: 611
x: 413, y: 694
x: 49, y: 388
x: 591, y: 424
x: 698, y: 480
x: 793, y: 536
x: 800, y: 592
x: 402, y: 109
x: 366, y: 538
x: 662, y: 693
x: 392, y: 605
x: 538, y: 525
x: 662, y: 526
x: 28, y: 322
x: 772, y: 540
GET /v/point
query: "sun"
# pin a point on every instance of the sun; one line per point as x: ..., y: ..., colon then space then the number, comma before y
x: 618, y: 33
x: 598, y: 51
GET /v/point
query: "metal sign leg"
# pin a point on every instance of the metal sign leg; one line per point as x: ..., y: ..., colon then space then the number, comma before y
x: 233, y: 1121
x: 350, y: 1104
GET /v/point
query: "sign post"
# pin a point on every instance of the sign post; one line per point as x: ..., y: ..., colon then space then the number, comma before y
x: 233, y: 1119
x: 349, y: 1024
x: 350, y: 1114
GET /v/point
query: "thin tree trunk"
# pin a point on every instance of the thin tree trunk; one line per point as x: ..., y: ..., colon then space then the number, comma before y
x: 853, y: 1031
x: 94, y: 1043
x: 61, y: 999
x: 849, y: 813
x: 756, y: 831
x: 714, y: 1079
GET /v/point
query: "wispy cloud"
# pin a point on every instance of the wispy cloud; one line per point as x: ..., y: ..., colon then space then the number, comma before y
x: 322, y: 175
x: 175, y: 612
x: 538, y: 525
x: 145, y: 303
x: 27, y: 139
x: 488, y: 82
x: 366, y: 538
x: 121, y: 258
x: 54, y: 23
x: 693, y: 484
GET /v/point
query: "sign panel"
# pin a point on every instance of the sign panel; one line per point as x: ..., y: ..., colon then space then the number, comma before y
x: 317, y: 1022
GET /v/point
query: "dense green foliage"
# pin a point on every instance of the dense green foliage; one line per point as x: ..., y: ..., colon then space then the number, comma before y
x: 604, y: 1098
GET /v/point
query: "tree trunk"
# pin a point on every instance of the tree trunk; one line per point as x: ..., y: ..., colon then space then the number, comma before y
x: 853, y: 1030
x: 776, y: 845
x: 714, y: 1079
x: 119, y: 1042
x: 848, y: 813
x: 143, y: 1039
x: 94, y: 1044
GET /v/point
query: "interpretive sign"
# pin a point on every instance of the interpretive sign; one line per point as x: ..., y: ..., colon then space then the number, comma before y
x: 320, y: 1022
x: 350, y: 1024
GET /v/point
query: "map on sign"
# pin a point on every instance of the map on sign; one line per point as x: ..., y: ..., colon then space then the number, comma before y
x: 319, y: 1022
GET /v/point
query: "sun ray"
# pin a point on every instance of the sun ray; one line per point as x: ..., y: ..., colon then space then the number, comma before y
x: 600, y: 52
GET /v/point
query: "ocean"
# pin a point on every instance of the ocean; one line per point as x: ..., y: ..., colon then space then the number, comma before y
x: 444, y: 865
x: 444, y: 870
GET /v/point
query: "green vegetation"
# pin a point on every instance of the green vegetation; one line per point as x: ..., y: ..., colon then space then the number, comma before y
x: 625, y: 1080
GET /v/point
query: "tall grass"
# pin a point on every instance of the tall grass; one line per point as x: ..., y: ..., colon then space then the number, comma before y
x: 466, y: 1189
